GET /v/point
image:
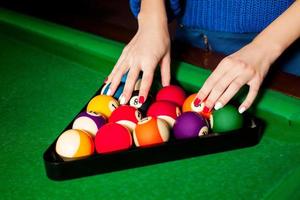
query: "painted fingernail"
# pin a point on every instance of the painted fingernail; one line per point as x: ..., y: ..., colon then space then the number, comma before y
x: 206, y: 109
x: 141, y: 99
x: 108, y: 92
x: 105, y: 80
x: 242, y: 109
x: 122, y: 100
x: 197, y: 102
x: 218, y: 105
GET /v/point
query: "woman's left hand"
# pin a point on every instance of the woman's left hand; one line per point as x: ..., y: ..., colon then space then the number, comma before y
x: 248, y: 66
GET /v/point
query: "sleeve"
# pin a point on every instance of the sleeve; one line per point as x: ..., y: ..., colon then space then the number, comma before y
x: 173, y: 8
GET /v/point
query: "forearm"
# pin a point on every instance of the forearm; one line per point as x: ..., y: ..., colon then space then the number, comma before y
x: 153, y: 11
x: 281, y: 33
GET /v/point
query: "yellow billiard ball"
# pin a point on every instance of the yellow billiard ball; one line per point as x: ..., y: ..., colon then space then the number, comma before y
x: 102, y: 104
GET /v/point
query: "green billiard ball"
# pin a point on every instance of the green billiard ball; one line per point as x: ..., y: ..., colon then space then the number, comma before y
x: 226, y: 119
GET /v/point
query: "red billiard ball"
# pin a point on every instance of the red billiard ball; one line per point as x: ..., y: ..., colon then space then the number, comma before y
x: 112, y: 137
x: 127, y: 116
x: 165, y: 110
x: 171, y: 93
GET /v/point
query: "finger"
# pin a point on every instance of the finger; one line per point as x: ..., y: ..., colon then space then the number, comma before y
x: 232, y: 89
x: 129, y: 85
x: 146, y: 83
x: 117, y: 67
x: 253, y: 90
x: 121, y: 59
x: 221, y: 69
x: 116, y: 80
x: 165, y: 70
x: 235, y: 78
x: 220, y: 88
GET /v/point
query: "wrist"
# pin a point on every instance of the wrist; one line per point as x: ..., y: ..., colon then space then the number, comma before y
x: 270, y: 49
x: 153, y: 24
x: 152, y: 19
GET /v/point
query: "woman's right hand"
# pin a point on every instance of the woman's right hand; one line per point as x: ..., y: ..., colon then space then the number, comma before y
x: 149, y: 47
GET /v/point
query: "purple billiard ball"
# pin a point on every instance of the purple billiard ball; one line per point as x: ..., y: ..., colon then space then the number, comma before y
x: 89, y: 122
x: 190, y: 125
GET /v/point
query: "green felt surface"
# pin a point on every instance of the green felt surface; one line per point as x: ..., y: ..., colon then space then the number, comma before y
x: 45, y: 82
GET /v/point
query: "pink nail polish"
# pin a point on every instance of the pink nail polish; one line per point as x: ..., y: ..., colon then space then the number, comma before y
x: 141, y: 99
x: 197, y: 102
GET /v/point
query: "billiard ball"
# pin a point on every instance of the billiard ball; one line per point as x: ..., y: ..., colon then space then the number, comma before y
x: 171, y: 93
x: 190, y: 125
x: 165, y: 110
x: 118, y: 92
x: 127, y: 116
x: 112, y: 137
x: 89, y: 122
x: 188, y: 105
x: 73, y: 144
x: 226, y: 119
x: 134, y: 101
x: 102, y: 104
x: 151, y: 131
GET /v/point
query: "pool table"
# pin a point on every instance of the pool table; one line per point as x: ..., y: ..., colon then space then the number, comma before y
x: 49, y: 72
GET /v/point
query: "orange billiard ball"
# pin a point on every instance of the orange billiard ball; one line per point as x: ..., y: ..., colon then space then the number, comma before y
x: 188, y: 105
x: 73, y: 144
x: 151, y: 131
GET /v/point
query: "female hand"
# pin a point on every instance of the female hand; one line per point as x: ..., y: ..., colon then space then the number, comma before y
x: 248, y: 66
x: 148, y: 48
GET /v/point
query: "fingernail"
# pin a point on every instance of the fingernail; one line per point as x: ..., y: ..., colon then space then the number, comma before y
x: 141, y: 99
x: 105, y: 80
x: 242, y: 109
x: 206, y: 109
x: 197, y: 102
x: 218, y: 105
x: 122, y: 100
x: 108, y: 92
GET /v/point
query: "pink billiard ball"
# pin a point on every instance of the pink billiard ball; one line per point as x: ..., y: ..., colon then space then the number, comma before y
x: 171, y: 93
x: 127, y: 116
x: 165, y: 110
